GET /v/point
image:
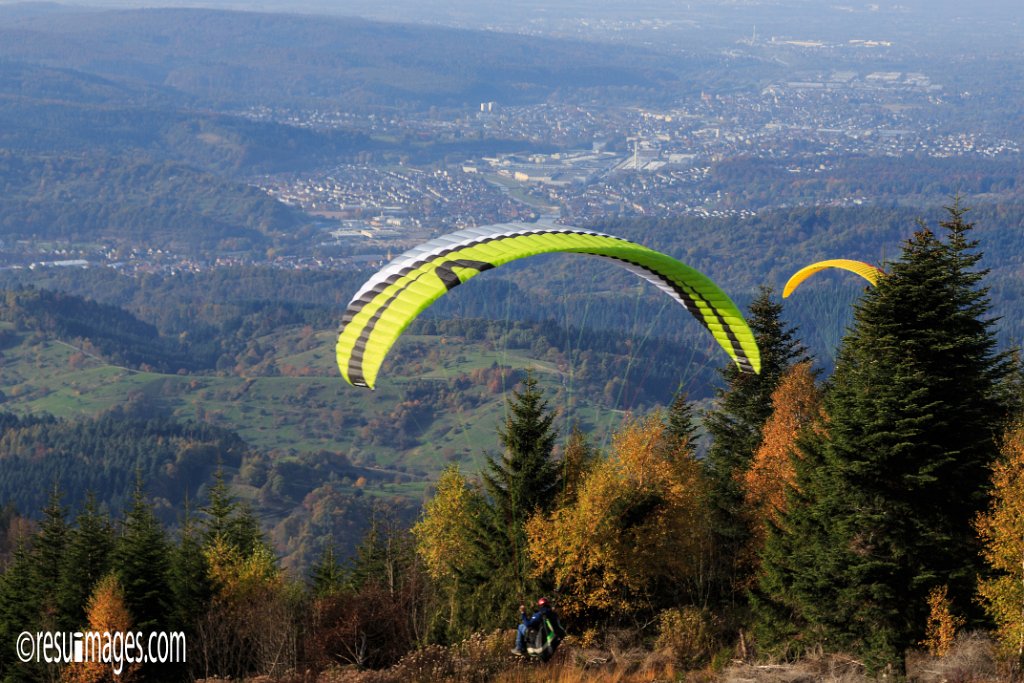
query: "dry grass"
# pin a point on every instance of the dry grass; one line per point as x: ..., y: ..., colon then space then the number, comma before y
x: 823, y: 669
x: 487, y: 658
x: 484, y: 658
x: 971, y: 660
x: 481, y: 657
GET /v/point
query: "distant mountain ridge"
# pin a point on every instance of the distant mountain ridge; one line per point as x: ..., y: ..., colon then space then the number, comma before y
x: 241, y: 58
x: 117, y: 335
x: 102, y: 196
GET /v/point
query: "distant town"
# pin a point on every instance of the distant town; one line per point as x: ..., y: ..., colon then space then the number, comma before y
x: 611, y: 161
x: 628, y: 160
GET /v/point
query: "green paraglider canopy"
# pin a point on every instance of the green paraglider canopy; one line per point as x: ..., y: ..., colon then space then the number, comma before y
x: 407, y: 286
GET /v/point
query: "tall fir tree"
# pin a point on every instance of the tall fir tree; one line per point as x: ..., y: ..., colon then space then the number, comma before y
x: 384, y: 555
x: 87, y: 561
x: 735, y: 427
x: 19, y: 611
x: 220, y: 509
x: 524, y: 481
x: 680, y: 421
x: 230, y: 521
x: 189, y: 576
x: 578, y: 460
x: 525, y: 478
x: 142, y: 564
x: 887, y: 491
x: 326, y: 577
x: 48, y: 550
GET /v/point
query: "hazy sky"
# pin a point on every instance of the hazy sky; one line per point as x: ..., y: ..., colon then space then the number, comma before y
x: 989, y: 23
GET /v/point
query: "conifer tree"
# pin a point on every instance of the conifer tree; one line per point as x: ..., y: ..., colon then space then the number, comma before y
x: 886, y: 493
x: 19, y: 611
x: 219, y: 510
x: 87, y: 561
x: 745, y: 404
x: 326, y: 577
x: 681, y: 421
x: 735, y: 428
x: 142, y: 563
x: 384, y: 555
x: 230, y: 521
x: 48, y: 550
x: 524, y: 481
x: 525, y: 478
x: 246, y: 533
x: 578, y: 460
x: 189, y: 575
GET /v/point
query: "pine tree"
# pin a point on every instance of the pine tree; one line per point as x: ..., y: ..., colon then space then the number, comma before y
x: 745, y: 404
x: 19, y: 611
x: 525, y: 479
x: 326, y: 577
x: 681, y: 421
x: 578, y: 460
x: 230, y: 521
x: 189, y: 576
x: 48, y: 551
x: 735, y: 428
x: 87, y: 561
x: 142, y: 563
x: 220, y: 510
x: 384, y: 554
x: 886, y: 494
x: 521, y: 483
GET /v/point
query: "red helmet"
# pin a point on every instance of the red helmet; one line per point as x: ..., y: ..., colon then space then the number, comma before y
x: 542, y: 602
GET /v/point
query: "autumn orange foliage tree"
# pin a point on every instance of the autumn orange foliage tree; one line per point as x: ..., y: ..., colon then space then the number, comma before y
x: 638, y: 522
x: 444, y: 539
x: 1001, y: 529
x: 247, y: 627
x: 442, y: 534
x: 940, y: 633
x: 795, y: 404
x: 106, y: 612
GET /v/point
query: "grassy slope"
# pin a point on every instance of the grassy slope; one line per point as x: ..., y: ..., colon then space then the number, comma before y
x: 300, y: 414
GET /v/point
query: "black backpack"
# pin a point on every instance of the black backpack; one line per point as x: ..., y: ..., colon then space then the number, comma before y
x: 543, y: 640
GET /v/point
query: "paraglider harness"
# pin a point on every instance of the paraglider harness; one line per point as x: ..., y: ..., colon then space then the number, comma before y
x: 543, y: 639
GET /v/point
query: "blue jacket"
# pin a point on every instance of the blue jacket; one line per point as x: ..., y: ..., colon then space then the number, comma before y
x: 538, y: 617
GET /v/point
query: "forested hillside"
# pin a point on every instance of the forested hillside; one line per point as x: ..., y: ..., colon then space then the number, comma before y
x: 166, y: 205
x: 190, y: 198
x: 854, y: 521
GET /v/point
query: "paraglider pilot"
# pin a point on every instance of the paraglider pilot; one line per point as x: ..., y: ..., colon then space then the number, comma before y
x: 537, y: 621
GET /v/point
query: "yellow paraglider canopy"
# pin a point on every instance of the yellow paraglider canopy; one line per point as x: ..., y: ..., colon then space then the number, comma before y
x: 865, y: 270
